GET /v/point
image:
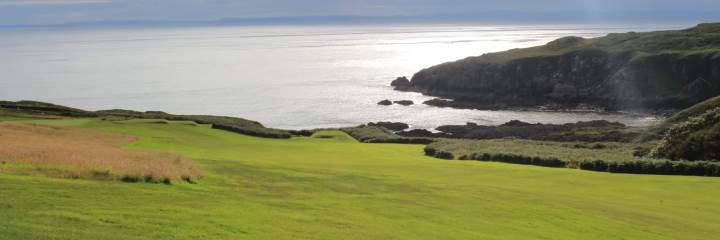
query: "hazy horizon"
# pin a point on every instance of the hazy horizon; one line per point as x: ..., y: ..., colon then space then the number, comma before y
x: 79, y: 12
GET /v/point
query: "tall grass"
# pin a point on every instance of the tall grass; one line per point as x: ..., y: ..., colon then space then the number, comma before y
x: 84, y: 153
x: 605, y: 157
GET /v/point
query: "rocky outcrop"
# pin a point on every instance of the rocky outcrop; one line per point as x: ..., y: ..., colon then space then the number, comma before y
x: 404, y: 102
x: 591, y: 131
x: 401, y: 83
x: 385, y: 102
x: 393, y: 126
x: 417, y: 133
x: 657, y: 70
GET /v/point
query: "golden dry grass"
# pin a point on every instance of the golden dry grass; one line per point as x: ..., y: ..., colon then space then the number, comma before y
x: 85, y: 153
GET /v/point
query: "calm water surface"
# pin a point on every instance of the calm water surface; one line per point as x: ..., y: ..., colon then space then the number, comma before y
x: 283, y: 76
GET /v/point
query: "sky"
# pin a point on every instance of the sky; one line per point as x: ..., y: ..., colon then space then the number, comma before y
x: 41, y: 12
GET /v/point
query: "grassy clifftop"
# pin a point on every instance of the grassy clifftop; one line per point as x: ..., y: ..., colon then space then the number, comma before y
x: 702, y: 38
x: 621, y: 71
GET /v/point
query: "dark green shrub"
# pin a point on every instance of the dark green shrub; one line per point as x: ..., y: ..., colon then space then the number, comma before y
x: 695, y: 139
x: 506, y: 158
x: 429, y: 151
x: 257, y: 132
x: 444, y: 155
x: 304, y: 133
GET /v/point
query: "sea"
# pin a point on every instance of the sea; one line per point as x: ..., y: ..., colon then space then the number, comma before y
x: 290, y: 77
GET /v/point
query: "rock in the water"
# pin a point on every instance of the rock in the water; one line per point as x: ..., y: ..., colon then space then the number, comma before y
x: 394, y: 126
x: 404, y: 102
x: 385, y: 102
x: 516, y: 123
x: 401, y: 83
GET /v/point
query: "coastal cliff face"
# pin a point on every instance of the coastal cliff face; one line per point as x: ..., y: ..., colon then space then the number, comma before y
x: 657, y: 70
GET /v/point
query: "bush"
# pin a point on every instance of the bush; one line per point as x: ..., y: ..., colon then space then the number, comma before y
x: 257, y: 132
x: 695, y: 139
x: 304, y: 133
x: 429, y: 151
x: 517, y: 159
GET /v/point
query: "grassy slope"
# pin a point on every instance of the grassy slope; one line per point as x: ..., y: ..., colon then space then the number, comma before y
x: 657, y: 131
x: 685, y: 114
x: 704, y: 38
x: 312, y: 188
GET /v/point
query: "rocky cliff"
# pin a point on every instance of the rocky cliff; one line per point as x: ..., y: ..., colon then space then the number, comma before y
x: 654, y: 70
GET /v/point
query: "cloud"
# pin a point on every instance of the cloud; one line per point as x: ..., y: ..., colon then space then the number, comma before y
x: 49, y: 2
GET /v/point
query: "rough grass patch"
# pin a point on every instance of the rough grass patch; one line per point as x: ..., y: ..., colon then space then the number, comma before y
x: 83, y: 153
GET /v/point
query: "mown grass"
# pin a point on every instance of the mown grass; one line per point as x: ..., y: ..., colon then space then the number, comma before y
x: 331, y: 187
x: 84, y: 153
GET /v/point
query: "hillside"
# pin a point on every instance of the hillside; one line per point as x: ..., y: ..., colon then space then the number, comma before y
x: 695, y: 139
x: 653, y: 70
x: 330, y: 186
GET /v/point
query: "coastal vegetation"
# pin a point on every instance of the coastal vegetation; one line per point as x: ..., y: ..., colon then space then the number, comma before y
x: 696, y: 139
x: 658, y: 130
x: 688, y: 145
x: 603, y: 157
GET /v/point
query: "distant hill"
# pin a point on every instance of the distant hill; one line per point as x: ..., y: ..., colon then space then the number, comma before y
x: 652, y: 70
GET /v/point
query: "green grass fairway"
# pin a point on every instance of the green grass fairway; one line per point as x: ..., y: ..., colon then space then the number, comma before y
x: 331, y: 187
